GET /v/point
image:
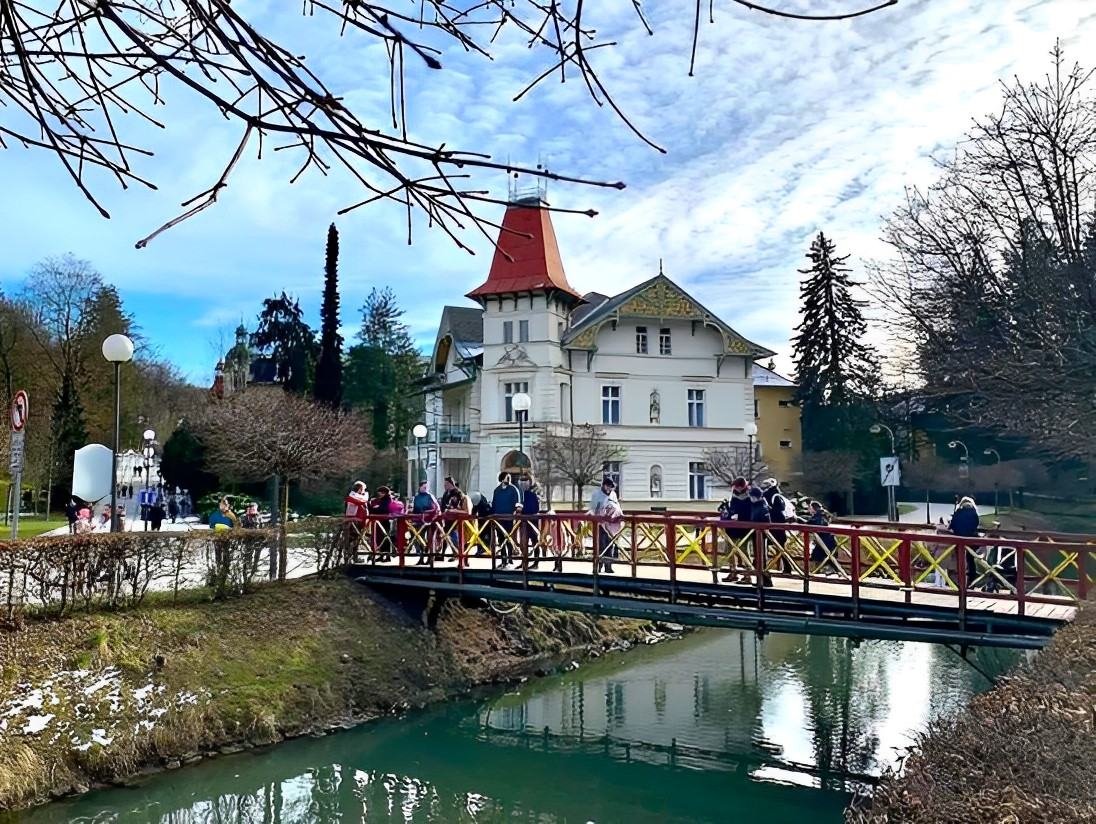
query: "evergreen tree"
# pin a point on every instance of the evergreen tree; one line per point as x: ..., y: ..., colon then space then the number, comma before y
x: 836, y: 372
x: 284, y: 336
x: 382, y: 369
x: 329, y: 378
x: 69, y: 429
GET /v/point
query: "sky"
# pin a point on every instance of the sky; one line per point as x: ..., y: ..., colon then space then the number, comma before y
x: 787, y: 128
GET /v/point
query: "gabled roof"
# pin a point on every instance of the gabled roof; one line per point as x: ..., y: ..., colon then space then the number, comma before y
x: 767, y: 377
x: 658, y: 298
x: 526, y: 254
x: 461, y: 329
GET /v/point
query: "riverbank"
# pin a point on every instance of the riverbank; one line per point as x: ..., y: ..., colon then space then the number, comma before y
x: 99, y: 699
x: 1022, y: 752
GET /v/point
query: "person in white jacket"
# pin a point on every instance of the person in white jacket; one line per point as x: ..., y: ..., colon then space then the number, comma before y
x: 604, y: 504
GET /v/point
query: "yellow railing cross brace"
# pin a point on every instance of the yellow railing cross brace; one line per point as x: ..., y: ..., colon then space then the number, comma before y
x: 692, y: 544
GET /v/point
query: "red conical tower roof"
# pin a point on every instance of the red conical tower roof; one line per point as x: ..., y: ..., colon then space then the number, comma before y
x: 526, y: 254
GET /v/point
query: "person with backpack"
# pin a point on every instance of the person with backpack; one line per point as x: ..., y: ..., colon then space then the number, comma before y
x: 781, y: 511
x: 426, y: 506
x: 823, y: 544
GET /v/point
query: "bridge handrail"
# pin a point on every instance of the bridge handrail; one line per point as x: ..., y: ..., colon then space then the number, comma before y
x: 987, y: 566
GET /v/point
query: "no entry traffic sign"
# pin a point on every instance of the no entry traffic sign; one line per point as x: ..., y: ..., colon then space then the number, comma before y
x: 20, y: 410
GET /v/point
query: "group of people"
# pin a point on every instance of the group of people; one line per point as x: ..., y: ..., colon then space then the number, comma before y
x: 767, y: 504
x: 224, y: 517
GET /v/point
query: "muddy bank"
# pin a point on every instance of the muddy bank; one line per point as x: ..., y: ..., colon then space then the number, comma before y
x: 100, y: 699
x: 1022, y: 752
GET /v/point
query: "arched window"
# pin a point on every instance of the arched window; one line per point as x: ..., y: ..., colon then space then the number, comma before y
x: 656, y: 481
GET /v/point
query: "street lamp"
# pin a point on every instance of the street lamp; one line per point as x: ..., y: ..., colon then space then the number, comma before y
x: 521, y: 403
x: 117, y: 349
x: 892, y: 504
x: 149, y: 452
x: 751, y: 432
x: 419, y: 432
x: 996, y: 482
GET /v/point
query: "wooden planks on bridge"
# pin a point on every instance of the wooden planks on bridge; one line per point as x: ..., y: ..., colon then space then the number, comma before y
x: 880, y: 590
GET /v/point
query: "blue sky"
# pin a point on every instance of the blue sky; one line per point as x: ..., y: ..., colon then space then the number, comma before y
x: 787, y: 128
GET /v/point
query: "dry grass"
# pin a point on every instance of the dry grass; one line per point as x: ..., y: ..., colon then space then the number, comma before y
x: 285, y: 660
x: 1022, y: 752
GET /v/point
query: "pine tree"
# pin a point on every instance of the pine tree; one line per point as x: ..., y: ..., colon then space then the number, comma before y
x: 289, y: 340
x: 329, y: 377
x: 836, y: 372
x: 382, y: 368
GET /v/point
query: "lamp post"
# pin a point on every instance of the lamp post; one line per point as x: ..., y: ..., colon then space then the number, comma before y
x: 419, y: 432
x: 117, y: 349
x: 996, y: 482
x: 751, y: 432
x: 149, y: 452
x: 521, y: 403
x: 892, y: 504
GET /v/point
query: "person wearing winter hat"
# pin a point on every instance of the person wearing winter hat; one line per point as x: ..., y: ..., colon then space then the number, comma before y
x: 737, y: 508
x: 759, y: 514
x: 780, y: 512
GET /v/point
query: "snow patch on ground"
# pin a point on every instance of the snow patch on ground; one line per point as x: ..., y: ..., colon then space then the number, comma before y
x: 91, y: 708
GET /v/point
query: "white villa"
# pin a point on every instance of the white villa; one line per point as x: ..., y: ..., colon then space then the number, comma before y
x: 663, y: 376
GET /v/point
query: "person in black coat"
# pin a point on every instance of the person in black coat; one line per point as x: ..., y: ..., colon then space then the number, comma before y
x: 760, y: 514
x: 736, y: 508
x: 964, y: 524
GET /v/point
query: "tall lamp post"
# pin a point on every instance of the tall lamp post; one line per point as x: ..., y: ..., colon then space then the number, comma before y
x: 117, y: 349
x: 521, y: 403
x: 149, y: 452
x: 751, y: 432
x: 419, y: 432
x: 996, y: 482
x: 892, y: 504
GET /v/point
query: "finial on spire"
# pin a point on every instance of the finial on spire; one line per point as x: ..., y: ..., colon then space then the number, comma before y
x: 660, y: 266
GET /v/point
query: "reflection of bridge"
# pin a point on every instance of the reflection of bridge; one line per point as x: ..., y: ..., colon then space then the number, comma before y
x: 890, y: 582
x: 756, y: 764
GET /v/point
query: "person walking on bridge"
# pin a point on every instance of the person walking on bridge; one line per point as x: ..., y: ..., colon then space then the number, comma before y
x: 506, y: 501
x: 607, y: 506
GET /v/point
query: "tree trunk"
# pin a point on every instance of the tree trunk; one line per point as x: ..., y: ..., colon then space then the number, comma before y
x: 283, y: 549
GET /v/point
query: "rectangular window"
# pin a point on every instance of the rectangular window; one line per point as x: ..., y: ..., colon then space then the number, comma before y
x: 610, y: 404
x: 664, y: 342
x: 612, y: 469
x: 523, y: 331
x: 696, y: 407
x: 641, y: 340
x: 559, y: 329
x: 786, y: 404
x: 698, y: 481
x: 509, y: 390
x: 785, y: 444
x: 564, y: 402
x: 507, y: 331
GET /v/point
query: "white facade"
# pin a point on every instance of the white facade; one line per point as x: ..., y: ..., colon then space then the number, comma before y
x: 659, y: 374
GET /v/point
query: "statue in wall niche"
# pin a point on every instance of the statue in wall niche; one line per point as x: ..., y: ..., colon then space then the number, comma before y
x: 656, y: 406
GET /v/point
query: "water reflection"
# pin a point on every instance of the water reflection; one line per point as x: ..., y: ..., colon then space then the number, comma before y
x: 674, y: 733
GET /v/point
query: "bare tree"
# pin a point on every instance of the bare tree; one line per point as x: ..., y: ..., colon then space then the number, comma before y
x: 993, y: 278
x: 266, y: 432
x: 728, y: 463
x: 574, y: 455
x: 830, y: 471
x: 80, y: 76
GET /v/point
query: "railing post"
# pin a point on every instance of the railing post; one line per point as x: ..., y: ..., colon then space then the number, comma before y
x: 1021, y: 583
x: 905, y: 567
x: 401, y: 539
x: 759, y: 564
x: 595, y: 531
x: 523, y: 531
x: 635, y: 550
x: 961, y: 571
x: 806, y: 538
x: 671, y: 556
x: 715, y: 554
x: 461, y: 547
x: 854, y: 553
x: 1082, y: 573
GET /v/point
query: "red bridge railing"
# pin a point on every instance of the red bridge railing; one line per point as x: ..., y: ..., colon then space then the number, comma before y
x: 863, y: 561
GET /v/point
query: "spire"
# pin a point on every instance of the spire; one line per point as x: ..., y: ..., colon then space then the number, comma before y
x: 526, y: 254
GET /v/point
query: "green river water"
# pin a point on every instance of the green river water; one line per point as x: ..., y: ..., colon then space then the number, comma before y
x: 717, y: 726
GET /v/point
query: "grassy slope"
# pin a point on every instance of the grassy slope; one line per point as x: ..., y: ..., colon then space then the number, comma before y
x: 276, y: 663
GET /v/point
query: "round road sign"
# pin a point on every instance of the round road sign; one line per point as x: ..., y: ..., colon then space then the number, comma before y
x: 20, y: 410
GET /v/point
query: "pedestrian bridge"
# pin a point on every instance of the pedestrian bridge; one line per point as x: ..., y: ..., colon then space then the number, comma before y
x: 859, y: 580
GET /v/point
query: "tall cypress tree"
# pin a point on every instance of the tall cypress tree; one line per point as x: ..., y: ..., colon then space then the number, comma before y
x: 835, y: 370
x: 329, y: 377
